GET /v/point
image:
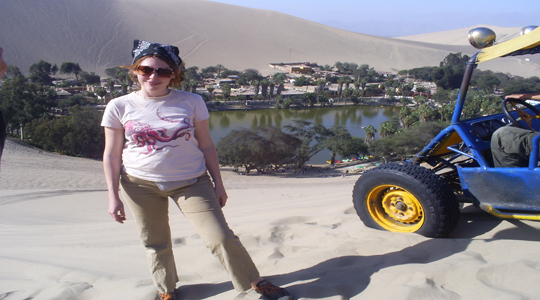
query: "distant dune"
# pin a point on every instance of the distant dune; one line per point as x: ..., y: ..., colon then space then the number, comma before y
x: 458, y: 37
x: 98, y: 34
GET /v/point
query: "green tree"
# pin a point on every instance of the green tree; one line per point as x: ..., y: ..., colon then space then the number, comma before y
x: 77, y: 99
x: 408, y: 142
x: 340, y: 142
x: 312, y: 137
x: 301, y: 81
x: 488, y: 82
x: 90, y: 78
x: 220, y: 68
x: 249, y: 75
x: 12, y: 71
x: 48, y: 133
x: 40, y: 73
x: 208, y: 72
x: 451, y: 71
x: 71, y: 68
x: 309, y: 99
x: 22, y: 101
x: 85, y: 136
x: 78, y: 134
x: 257, y: 148
x: 226, y: 91
x: 192, y: 74
x: 119, y: 75
x: 280, y: 146
x: 101, y: 92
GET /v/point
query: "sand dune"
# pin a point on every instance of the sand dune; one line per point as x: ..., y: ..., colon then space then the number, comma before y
x: 98, y: 34
x: 459, y: 36
x: 58, y: 242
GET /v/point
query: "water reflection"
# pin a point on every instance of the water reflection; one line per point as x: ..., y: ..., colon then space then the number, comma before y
x: 350, y: 117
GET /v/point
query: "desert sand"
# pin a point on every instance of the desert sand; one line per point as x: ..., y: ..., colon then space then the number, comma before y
x: 58, y: 242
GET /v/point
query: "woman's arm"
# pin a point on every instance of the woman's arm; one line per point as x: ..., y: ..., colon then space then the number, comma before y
x: 112, y: 162
x: 202, y: 134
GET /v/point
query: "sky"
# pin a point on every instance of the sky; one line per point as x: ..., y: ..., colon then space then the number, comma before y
x: 391, y: 18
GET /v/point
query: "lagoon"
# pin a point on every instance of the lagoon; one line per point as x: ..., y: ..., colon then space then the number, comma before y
x: 351, y: 117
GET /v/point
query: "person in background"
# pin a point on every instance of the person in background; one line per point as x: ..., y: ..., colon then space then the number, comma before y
x: 158, y: 146
x: 511, y: 146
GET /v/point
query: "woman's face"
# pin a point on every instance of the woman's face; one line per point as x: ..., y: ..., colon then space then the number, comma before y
x: 152, y: 85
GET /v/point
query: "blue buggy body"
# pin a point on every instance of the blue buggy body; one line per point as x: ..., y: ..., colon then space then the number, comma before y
x: 422, y: 195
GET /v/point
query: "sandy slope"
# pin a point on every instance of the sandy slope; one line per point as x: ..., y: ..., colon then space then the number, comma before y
x: 98, y: 34
x: 459, y: 36
x: 57, y: 242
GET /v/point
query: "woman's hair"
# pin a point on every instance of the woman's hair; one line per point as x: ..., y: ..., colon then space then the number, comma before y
x: 178, y: 72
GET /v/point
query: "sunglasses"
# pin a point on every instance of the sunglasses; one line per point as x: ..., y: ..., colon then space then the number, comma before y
x: 161, y: 72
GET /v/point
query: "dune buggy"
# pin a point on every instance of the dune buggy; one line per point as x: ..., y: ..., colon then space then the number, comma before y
x: 423, y: 195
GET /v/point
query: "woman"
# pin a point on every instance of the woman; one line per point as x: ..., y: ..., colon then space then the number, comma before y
x: 168, y: 154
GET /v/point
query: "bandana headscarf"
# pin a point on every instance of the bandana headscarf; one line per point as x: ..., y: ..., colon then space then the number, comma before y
x: 144, y: 48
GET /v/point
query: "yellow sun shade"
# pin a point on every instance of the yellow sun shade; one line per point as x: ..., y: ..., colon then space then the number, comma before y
x: 527, y: 41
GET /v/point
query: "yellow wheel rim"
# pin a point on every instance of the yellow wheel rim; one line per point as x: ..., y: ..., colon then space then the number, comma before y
x: 395, y: 209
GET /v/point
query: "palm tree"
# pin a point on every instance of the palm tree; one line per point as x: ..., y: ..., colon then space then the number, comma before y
x: 348, y: 81
x: 256, y: 84
x: 272, y: 85
x: 357, y: 85
x: 346, y: 94
x: 404, y: 112
x: 409, y: 121
x: 370, y: 133
x: 340, y: 81
x: 210, y: 90
x: 279, y: 80
x: 264, y: 87
x: 387, y: 128
x: 446, y: 111
x: 193, y: 85
x: 363, y: 83
x: 321, y: 84
x: 425, y: 112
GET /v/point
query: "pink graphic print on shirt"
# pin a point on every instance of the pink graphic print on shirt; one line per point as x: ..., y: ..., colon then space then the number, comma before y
x: 144, y: 135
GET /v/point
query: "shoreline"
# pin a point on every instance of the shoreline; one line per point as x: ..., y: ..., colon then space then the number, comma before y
x: 255, y: 105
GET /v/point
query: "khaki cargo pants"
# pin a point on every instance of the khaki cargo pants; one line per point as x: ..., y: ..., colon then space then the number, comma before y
x: 198, y: 202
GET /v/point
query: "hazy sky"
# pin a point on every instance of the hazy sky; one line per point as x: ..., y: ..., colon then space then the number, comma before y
x: 398, y: 18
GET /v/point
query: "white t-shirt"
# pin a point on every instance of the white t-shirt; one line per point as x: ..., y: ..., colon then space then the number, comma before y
x: 161, y: 144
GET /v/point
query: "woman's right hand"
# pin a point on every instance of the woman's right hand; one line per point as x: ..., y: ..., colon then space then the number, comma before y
x: 112, y: 164
x: 116, y: 210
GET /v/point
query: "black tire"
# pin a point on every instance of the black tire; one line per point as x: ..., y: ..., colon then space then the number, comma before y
x: 404, y: 197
